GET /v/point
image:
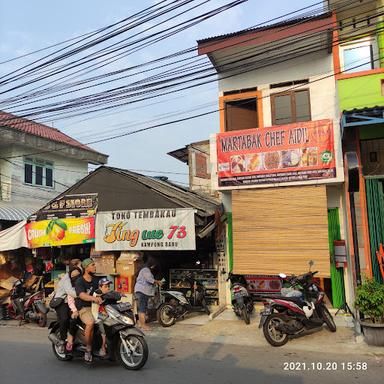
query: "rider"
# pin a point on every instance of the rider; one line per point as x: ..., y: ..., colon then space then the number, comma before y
x: 85, y: 287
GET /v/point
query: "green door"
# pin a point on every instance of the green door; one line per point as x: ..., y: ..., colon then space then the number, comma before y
x: 375, y: 208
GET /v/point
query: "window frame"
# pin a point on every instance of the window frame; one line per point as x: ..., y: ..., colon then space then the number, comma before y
x: 357, y: 44
x: 293, y: 105
x: 44, y: 164
x: 241, y: 96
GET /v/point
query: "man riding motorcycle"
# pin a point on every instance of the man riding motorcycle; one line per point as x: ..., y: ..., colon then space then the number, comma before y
x: 85, y: 287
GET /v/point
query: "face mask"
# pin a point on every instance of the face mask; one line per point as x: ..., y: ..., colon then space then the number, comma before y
x: 92, y: 273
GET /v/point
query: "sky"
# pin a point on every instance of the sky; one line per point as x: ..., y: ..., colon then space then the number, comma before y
x: 30, y: 25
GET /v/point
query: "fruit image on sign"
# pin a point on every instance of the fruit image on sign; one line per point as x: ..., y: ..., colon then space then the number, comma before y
x: 57, y: 232
x: 56, y: 229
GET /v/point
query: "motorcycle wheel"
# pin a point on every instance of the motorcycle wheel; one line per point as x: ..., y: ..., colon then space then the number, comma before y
x: 60, y: 356
x: 274, y: 337
x: 328, y: 319
x: 134, y: 354
x: 245, y: 315
x: 205, y: 307
x: 165, y: 316
x: 42, y: 322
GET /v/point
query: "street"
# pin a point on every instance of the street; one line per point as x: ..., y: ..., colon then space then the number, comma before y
x: 25, y: 354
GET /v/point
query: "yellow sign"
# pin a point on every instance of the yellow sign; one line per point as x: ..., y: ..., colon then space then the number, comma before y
x: 50, y: 233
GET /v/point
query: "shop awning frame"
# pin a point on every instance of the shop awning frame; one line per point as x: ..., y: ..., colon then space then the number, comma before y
x: 359, y: 117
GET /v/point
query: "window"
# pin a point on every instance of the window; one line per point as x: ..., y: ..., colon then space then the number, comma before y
x: 38, y: 172
x: 241, y: 114
x: 290, y: 107
x: 357, y: 57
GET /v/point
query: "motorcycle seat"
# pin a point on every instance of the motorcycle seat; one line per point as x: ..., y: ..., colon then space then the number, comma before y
x: 296, y: 300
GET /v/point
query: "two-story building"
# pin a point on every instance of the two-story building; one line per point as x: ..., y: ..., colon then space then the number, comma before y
x: 37, y: 163
x: 277, y: 160
x: 359, y: 69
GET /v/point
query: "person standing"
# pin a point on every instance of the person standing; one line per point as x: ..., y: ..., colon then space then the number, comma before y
x: 144, y: 289
x: 85, y: 286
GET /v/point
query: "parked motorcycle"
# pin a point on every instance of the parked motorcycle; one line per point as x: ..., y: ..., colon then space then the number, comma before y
x: 176, y: 304
x: 25, y: 306
x: 290, y: 316
x: 125, y: 342
x: 242, y: 302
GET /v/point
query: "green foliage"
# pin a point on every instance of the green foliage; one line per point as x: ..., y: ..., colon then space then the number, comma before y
x: 370, y: 300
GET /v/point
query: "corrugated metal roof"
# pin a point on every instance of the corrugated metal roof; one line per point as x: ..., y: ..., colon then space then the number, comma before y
x: 15, y: 212
x: 285, y: 23
x: 204, y: 204
x: 37, y: 129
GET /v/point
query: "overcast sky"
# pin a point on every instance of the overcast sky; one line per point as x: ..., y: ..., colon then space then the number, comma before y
x: 29, y: 25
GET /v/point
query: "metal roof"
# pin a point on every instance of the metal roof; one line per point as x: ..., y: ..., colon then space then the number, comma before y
x: 31, y: 127
x: 284, y: 23
x: 15, y: 212
x: 180, y: 154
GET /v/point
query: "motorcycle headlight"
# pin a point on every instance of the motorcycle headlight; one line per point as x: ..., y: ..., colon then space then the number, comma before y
x: 127, y: 320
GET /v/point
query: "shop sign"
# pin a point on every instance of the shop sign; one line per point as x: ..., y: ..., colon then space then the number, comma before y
x: 263, y: 284
x: 146, y: 229
x: 291, y: 153
x: 79, y: 205
x: 57, y: 232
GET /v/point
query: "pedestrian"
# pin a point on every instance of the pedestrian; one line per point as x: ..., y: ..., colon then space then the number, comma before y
x: 144, y: 289
x: 85, y: 286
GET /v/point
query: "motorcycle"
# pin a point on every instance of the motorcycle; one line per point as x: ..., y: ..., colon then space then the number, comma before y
x: 291, y: 315
x: 176, y: 304
x: 125, y: 342
x: 28, y: 307
x: 242, y: 302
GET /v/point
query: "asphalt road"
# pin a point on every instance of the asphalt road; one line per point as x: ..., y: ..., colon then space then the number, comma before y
x: 25, y: 356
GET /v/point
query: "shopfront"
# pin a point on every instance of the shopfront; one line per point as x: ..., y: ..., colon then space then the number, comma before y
x: 126, y: 218
x: 168, y: 236
x: 281, y: 185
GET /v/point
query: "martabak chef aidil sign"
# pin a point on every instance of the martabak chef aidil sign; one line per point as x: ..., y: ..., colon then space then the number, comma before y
x: 291, y: 153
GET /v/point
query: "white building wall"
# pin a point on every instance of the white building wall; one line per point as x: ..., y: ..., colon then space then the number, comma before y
x: 66, y: 172
x: 318, y: 69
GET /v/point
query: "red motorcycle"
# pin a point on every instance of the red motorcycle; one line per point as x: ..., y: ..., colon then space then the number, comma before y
x: 295, y: 313
x: 28, y: 307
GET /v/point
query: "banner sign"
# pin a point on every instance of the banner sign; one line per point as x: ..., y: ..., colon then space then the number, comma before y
x: 146, y: 229
x: 50, y: 233
x: 257, y: 284
x: 296, y: 152
x: 79, y: 205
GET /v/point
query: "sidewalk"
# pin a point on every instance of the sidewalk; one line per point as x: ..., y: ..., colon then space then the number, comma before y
x: 227, y: 329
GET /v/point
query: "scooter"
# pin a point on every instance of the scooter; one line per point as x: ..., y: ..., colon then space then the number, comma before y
x: 125, y: 342
x: 242, y: 302
x: 289, y: 316
x: 176, y: 304
x: 27, y: 307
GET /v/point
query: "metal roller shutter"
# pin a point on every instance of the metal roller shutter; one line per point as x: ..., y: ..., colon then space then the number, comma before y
x: 280, y: 229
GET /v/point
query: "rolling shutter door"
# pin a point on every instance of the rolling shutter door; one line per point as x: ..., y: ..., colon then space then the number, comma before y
x: 279, y: 230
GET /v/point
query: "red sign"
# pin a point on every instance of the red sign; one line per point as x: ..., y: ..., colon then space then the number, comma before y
x: 258, y: 284
x: 295, y: 152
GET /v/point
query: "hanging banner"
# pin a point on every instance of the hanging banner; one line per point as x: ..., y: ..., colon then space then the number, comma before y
x: 290, y: 153
x: 146, y: 229
x: 79, y: 205
x: 50, y: 233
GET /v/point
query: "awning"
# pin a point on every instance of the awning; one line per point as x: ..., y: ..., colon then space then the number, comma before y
x: 363, y: 116
x: 15, y: 212
x: 13, y: 237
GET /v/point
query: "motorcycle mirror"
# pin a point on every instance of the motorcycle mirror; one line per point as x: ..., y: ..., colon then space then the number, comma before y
x: 311, y: 263
x: 282, y: 275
